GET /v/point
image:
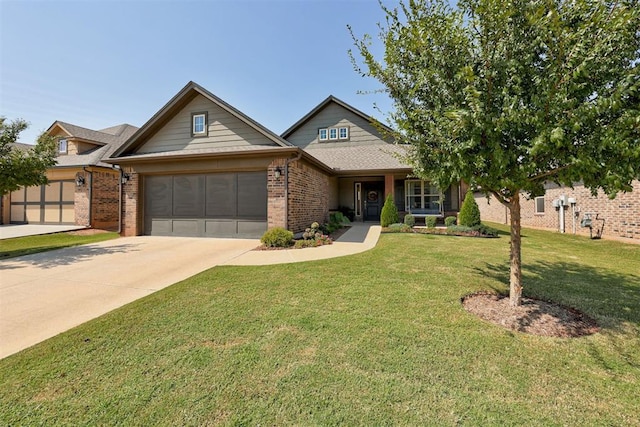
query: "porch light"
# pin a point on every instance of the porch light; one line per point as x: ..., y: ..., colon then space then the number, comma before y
x: 277, y: 173
x: 125, y: 178
x: 79, y: 179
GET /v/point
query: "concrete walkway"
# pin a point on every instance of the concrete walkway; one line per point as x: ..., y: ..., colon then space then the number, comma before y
x: 359, y: 238
x: 9, y: 231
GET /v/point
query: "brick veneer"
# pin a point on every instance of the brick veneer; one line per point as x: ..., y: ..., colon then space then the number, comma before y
x: 621, y: 215
x: 105, y: 200
x: 308, y: 196
x: 275, y: 194
x: 81, y: 201
x: 131, y: 205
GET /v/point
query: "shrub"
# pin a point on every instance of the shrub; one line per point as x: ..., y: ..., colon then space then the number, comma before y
x: 469, y: 213
x: 450, y: 220
x: 485, y: 230
x: 315, y: 235
x: 459, y: 229
x: 430, y: 221
x: 338, y: 218
x: 398, y: 228
x: 277, y: 237
x: 389, y: 214
x: 409, y: 220
x: 348, y: 212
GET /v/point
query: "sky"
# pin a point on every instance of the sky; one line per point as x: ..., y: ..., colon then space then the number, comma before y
x: 100, y: 63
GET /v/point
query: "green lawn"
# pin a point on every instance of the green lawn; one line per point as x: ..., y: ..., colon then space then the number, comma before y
x: 378, y: 338
x: 19, y: 246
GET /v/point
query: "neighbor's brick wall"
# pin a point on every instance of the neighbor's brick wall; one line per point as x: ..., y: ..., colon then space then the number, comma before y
x: 131, y: 205
x: 275, y: 195
x: 308, y: 196
x: 105, y: 200
x: 621, y: 215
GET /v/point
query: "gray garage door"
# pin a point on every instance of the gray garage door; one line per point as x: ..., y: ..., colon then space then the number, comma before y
x: 206, y: 205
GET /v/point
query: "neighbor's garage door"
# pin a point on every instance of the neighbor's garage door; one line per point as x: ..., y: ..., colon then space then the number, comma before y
x: 45, y: 204
x: 207, y: 205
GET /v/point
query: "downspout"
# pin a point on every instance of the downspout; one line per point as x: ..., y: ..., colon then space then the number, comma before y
x: 286, y: 188
x: 84, y: 168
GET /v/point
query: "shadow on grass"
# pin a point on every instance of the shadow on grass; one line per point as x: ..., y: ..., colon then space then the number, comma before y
x: 64, y: 256
x: 597, y: 292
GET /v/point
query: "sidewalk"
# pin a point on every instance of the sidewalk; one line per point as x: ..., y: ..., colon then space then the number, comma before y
x: 359, y: 238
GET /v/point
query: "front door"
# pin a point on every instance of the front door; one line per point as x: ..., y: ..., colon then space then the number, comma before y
x: 373, y: 200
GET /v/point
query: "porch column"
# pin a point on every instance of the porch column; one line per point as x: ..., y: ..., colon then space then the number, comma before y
x: 388, y: 185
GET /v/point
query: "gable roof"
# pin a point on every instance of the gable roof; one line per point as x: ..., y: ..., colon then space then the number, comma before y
x: 321, y: 107
x: 177, y: 103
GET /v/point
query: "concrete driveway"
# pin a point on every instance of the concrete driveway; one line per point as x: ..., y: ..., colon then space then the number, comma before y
x: 44, y: 294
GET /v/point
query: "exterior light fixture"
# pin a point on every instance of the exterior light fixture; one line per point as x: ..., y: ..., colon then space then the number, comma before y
x: 79, y: 179
x: 277, y: 173
x: 125, y: 178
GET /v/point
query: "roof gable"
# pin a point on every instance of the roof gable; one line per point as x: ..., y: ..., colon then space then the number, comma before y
x: 191, y: 93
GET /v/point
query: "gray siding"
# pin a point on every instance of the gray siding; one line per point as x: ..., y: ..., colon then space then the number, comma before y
x: 333, y: 115
x: 225, y: 130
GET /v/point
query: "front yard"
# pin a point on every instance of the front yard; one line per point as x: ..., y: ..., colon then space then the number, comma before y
x: 378, y: 338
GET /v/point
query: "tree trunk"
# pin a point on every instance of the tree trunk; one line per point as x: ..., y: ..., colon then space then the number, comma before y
x: 515, y: 255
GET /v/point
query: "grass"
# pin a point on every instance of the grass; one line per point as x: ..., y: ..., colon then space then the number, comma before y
x: 378, y: 338
x: 19, y: 246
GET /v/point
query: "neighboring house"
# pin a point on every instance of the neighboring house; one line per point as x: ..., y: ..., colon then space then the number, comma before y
x: 564, y: 209
x: 82, y: 189
x: 200, y: 167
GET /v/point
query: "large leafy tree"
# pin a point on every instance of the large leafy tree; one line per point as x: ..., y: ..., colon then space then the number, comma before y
x: 23, y: 168
x: 510, y: 95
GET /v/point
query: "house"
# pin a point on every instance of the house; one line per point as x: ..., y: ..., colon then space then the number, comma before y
x: 200, y: 167
x: 82, y: 189
x: 569, y: 210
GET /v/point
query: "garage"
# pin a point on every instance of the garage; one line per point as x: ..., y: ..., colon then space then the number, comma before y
x: 45, y: 204
x: 230, y: 204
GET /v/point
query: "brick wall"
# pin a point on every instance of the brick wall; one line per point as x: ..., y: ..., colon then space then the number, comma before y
x: 81, y: 201
x: 275, y: 195
x: 131, y: 205
x: 105, y: 200
x: 621, y: 215
x: 308, y: 196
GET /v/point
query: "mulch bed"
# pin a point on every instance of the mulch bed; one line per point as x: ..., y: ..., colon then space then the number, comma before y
x: 334, y: 236
x: 533, y: 316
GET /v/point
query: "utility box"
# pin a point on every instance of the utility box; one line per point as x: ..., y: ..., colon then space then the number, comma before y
x: 586, y: 222
x: 555, y: 203
x: 572, y: 200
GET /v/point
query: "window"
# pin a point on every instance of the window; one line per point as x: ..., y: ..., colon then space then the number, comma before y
x: 343, y: 133
x: 539, y: 205
x: 322, y: 134
x: 62, y: 145
x: 422, y: 197
x: 199, y: 124
x: 333, y: 133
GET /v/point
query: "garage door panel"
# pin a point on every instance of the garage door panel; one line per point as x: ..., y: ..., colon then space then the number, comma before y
x: 188, y: 196
x: 220, y: 227
x: 221, y: 193
x: 252, y: 228
x: 252, y: 200
x: 158, y: 196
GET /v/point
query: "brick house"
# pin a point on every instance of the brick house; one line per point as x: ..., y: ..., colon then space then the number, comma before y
x: 82, y: 189
x: 200, y: 167
x: 563, y: 209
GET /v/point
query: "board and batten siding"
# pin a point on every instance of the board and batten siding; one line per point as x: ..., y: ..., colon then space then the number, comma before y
x: 334, y: 115
x: 225, y: 130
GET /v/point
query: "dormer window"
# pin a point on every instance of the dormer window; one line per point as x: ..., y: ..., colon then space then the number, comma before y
x: 333, y: 134
x: 62, y: 146
x: 343, y: 133
x: 323, y: 134
x: 199, y: 124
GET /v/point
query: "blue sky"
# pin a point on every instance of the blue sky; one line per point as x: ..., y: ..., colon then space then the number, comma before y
x: 101, y: 63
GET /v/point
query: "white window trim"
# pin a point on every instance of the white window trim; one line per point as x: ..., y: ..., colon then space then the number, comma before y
x: 326, y: 134
x: 423, y: 195
x: 535, y: 205
x: 346, y: 130
x: 195, y: 116
x: 335, y: 138
x: 66, y: 145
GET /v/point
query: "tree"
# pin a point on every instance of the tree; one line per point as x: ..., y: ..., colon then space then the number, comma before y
x: 389, y: 214
x: 510, y: 95
x: 469, y: 212
x: 23, y: 168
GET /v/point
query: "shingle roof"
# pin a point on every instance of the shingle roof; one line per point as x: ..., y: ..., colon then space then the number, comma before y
x: 20, y: 146
x: 343, y: 157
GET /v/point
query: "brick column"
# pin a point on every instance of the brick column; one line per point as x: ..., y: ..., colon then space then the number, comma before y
x: 388, y: 186
x: 81, y: 201
x: 275, y: 195
x: 131, y: 205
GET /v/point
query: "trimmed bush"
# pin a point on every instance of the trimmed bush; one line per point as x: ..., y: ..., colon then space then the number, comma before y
x: 389, y: 214
x: 277, y: 237
x: 469, y: 213
x: 450, y: 220
x: 485, y: 230
x: 409, y: 220
x: 398, y: 228
x: 430, y: 221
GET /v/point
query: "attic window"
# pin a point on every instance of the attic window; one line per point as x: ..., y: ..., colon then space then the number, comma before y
x: 322, y: 134
x: 343, y: 133
x: 62, y: 146
x: 199, y: 124
x: 333, y: 133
